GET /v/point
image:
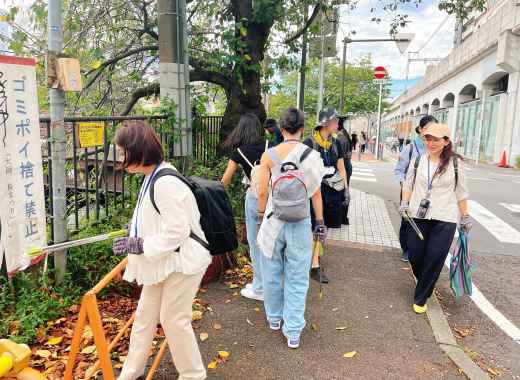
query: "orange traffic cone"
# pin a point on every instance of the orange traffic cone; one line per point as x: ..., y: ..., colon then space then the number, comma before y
x: 503, y: 160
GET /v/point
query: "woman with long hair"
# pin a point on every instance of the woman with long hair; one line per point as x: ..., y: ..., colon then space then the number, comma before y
x: 247, y: 144
x: 161, y: 256
x: 435, y: 195
x: 363, y: 142
x: 287, y: 245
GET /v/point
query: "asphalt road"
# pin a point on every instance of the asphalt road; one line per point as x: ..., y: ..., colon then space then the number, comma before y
x: 495, y: 247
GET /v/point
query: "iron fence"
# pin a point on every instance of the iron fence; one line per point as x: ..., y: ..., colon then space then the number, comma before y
x: 96, y: 185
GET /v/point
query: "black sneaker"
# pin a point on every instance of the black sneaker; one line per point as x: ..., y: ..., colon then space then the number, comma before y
x: 319, y: 276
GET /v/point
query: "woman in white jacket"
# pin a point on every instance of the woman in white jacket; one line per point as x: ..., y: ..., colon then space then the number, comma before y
x: 161, y: 257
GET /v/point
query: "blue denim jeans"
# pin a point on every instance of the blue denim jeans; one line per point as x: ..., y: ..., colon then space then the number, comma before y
x: 286, y: 277
x: 254, y: 249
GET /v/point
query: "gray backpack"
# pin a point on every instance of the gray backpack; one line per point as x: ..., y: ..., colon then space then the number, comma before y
x: 288, y: 190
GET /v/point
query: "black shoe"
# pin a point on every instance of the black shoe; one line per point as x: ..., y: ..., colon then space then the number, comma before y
x: 319, y: 276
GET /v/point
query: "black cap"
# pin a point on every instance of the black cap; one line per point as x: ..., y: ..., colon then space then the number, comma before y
x: 327, y: 115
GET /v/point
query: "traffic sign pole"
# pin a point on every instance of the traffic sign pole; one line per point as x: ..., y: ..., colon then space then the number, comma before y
x: 379, y: 120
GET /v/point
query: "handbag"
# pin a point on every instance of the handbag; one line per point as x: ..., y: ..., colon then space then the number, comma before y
x: 335, y: 182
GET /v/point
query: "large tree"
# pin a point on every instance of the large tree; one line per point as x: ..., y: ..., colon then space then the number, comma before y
x: 117, y: 43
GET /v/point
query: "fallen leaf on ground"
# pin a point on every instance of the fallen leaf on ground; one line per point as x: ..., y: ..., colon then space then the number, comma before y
x: 203, y: 336
x: 257, y: 309
x: 54, y: 341
x: 223, y: 354
x: 341, y: 328
x: 227, y: 301
x: 233, y: 286
x: 217, y: 326
x: 335, y: 309
x: 350, y: 354
x: 196, y: 316
x: 88, y: 350
x: 314, y: 327
x: 43, y: 353
x: 462, y: 333
x: 249, y: 322
x: 212, y: 364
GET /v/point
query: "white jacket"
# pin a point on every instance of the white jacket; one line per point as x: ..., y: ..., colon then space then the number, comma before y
x: 167, y: 246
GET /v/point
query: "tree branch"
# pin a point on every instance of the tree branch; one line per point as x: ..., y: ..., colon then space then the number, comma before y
x: 124, y: 55
x: 307, y: 24
x: 143, y: 92
x: 203, y: 75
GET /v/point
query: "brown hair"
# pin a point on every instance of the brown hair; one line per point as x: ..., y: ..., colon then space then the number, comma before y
x: 446, y: 155
x: 140, y: 143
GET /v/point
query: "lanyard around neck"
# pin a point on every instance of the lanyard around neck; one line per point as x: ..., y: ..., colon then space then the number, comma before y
x: 430, y: 181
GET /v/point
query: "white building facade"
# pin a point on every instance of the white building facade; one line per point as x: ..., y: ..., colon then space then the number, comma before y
x: 475, y: 89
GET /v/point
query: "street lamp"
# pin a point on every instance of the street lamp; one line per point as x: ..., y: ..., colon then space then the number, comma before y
x: 402, y: 41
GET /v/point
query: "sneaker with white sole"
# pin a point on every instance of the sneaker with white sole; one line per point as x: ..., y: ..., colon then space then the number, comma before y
x: 275, y: 325
x: 251, y: 294
x: 293, y: 342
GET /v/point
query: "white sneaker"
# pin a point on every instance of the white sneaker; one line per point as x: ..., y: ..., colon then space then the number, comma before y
x: 251, y: 294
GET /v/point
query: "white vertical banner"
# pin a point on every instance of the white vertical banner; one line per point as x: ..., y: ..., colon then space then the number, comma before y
x: 22, y: 213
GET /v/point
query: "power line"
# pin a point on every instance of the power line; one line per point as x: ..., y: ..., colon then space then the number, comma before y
x: 434, y: 33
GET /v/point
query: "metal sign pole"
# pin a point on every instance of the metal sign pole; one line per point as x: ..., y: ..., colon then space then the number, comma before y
x: 343, y: 77
x: 379, y: 119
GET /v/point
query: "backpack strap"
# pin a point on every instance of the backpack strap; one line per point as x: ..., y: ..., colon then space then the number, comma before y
x: 245, y: 158
x: 176, y: 174
x: 410, y: 153
x: 305, y: 154
x: 415, y: 167
x: 266, y: 145
x: 274, y: 156
x: 456, y: 169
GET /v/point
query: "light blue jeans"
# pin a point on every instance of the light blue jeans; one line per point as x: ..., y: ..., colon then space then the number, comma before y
x: 254, y: 249
x: 286, y: 277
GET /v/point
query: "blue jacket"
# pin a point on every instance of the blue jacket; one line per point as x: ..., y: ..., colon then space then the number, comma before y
x: 418, y: 148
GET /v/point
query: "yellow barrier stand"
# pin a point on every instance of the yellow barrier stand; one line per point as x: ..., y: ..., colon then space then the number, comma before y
x: 89, y: 311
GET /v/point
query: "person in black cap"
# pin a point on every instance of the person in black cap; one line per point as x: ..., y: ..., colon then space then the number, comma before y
x: 346, y: 146
x: 273, y: 131
x: 334, y: 187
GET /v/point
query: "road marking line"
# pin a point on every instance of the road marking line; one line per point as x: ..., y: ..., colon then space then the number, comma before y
x: 368, y: 174
x: 492, y: 313
x: 481, y: 179
x: 364, y: 169
x: 364, y: 179
x: 502, y: 231
x: 511, y: 207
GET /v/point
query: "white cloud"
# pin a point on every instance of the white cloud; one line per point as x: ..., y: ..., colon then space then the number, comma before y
x: 424, y: 21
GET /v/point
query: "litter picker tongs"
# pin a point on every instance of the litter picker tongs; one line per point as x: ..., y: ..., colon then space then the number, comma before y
x: 413, y: 224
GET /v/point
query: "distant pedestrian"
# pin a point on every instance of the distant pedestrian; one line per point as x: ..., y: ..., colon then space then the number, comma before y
x: 162, y: 257
x: 416, y: 148
x: 354, y: 140
x: 363, y: 142
x: 334, y: 187
x: 287, y: 244
x: 435, y: 195
x: 346, y: 146
x: 400, y: 138
x: 247, y: 143
x: 273, y: 132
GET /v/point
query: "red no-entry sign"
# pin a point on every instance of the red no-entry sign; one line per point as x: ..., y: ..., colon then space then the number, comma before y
x: 379, y: 72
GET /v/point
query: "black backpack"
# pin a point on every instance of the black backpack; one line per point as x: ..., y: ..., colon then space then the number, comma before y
x: 216, y: 214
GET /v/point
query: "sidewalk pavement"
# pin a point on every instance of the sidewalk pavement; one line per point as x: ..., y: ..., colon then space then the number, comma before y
x: 366, y: 308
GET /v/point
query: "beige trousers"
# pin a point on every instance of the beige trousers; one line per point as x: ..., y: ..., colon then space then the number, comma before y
x: 169, y: 303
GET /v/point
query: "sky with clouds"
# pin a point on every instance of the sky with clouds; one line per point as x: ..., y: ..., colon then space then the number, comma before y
x: 424, y: 21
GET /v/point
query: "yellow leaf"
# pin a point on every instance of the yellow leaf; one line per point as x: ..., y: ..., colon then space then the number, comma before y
x: 203, y: 336
x: 257, y: 309
x: 196, y: 316
x: 54, y: 341
x: 314, y: 327
x: 341, y: 328
x: 247, y: 57
x: 243, y: 31
x: 223, y: 354
x: 43, y: 353
x: 212, y: 365
x: 350, y: 354
x: 96, y: 65
x: 88, y: 350
x: 233, y: 286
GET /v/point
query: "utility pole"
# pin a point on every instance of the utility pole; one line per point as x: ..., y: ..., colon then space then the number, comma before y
x: 379, y: 120
x: 322, y: 68
x: 174, y: 68
x: 343, y: 78
x: 58, y: 139
x: 303, y: 65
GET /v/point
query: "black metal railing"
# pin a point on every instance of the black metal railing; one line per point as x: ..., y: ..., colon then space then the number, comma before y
x: 96, y: 185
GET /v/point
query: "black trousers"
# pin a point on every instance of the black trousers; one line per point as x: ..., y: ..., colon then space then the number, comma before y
x: 403, y: 235
x: 427, y: 256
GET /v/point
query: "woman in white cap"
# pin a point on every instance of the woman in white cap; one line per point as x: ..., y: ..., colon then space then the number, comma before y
x: 435, y: 195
